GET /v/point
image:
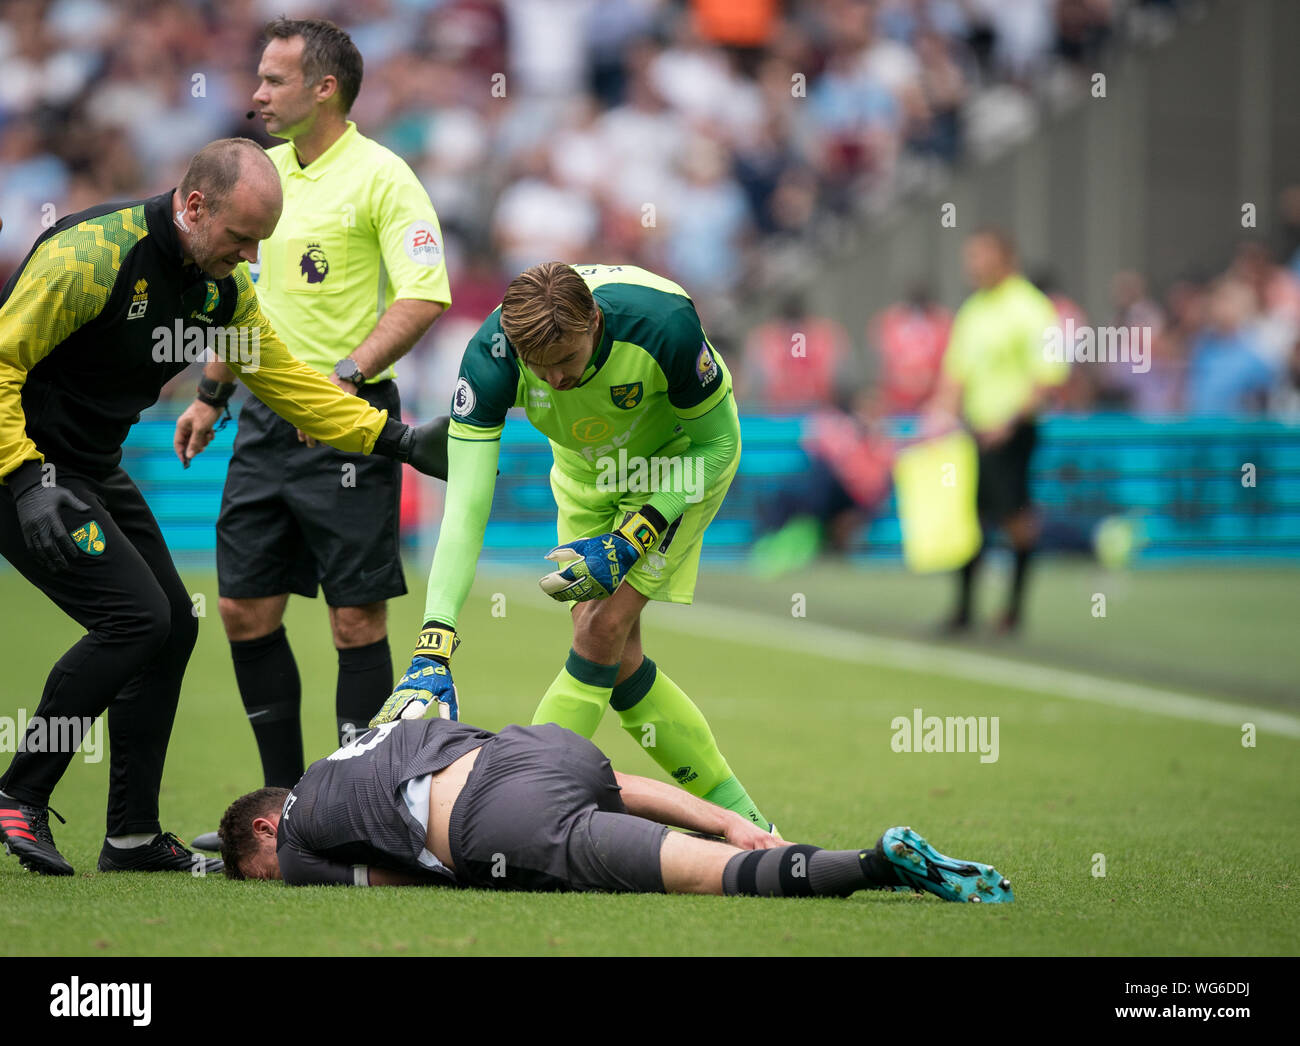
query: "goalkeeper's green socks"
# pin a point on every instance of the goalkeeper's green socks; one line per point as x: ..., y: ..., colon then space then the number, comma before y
x: 672, y: 730
x: 658, y: 716
x: 577, y: 698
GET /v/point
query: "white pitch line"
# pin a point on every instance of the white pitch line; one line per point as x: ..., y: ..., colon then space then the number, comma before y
x: 756, y: 629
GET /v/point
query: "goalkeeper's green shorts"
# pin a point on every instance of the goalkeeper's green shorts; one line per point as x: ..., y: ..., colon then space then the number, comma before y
x: 668, y: 572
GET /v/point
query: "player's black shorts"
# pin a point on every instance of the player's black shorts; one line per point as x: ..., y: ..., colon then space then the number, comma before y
x: 1003, y: 487
x: 294, y: 517
x: 540, y: 810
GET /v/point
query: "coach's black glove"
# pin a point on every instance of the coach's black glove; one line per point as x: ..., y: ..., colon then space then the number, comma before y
x: 423, y: 447
x: 39, y: 518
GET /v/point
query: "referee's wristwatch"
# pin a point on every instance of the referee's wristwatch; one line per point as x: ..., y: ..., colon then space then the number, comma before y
x: 347, y: 370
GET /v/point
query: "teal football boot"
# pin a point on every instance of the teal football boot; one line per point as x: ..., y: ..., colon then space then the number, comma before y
x: 920, y: 866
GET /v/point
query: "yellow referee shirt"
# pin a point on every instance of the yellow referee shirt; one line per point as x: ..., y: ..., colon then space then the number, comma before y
x: 357, y: 232
x: 997, y: 351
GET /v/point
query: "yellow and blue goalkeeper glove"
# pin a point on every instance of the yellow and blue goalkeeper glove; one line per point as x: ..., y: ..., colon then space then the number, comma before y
x: 591, y: 568
x: 427, y: 681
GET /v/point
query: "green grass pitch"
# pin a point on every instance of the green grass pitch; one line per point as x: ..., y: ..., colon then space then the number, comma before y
x: 1198, y: 833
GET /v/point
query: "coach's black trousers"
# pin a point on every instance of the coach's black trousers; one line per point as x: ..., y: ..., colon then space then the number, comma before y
x: 140, y: 630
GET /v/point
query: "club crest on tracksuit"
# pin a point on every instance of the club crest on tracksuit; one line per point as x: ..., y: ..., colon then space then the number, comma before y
x: 626, y: 396
x: 90, y: 539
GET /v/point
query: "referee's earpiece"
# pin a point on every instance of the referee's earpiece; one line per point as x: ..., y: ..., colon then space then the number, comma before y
x: 180, y: 221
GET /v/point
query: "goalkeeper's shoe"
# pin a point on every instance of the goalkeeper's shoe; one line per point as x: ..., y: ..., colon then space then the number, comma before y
x: 163, y: 853
x: 592, y: 568
x: 25, y: 830
x: 920, y: 866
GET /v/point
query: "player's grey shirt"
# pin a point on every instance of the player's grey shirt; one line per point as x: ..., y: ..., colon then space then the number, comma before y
x: 347, y: 809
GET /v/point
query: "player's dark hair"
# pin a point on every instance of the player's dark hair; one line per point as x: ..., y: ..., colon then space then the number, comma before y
x: 326, y: 51
x: 214, y: 169
x: 236, y: 828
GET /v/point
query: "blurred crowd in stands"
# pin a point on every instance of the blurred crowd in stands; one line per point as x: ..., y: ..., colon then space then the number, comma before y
x: 1225, y: 344
x: 711, y: 140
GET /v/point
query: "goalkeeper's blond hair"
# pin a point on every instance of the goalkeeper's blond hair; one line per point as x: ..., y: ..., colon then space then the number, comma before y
x: 543, y: 305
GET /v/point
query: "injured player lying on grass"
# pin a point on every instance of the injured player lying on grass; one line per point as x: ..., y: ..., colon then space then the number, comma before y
x: 439, y: 802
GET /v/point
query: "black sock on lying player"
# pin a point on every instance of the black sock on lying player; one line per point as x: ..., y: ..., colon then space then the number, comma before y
x: 805, y: 871
x: 365, y: 681
x: 272, y: 694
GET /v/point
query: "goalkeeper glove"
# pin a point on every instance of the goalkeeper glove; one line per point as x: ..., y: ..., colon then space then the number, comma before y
x: 591, y: 568
x: 428, y: 679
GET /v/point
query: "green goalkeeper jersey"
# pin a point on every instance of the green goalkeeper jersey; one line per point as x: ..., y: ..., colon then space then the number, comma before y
x: 654, y: 389
x: 653, y: 367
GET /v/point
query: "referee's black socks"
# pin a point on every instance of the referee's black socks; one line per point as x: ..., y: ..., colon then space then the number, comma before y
x: 1018, y: 576
x: 365, y: 681
x: 272, y: 694
x: 966, y: 589
x: 806, y: 871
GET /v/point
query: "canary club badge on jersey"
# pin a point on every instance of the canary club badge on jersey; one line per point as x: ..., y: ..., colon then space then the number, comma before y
x: 90, y: 539
x: 626, y: 396
x: 705, y: 365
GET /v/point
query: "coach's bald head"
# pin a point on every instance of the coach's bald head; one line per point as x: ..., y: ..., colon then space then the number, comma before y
x: 228, y: 201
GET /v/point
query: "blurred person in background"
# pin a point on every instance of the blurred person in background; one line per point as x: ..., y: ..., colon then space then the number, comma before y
x: 1082, y: 29
x: 1289, y: 229
x: 31, y: 176
x: 859, y: 121
x: 1162, y: 390
x: 1119, y: 385
x: 538, y: 216
x: 943, y: 91
x: 794, y: 362
x: 1079, y: 390
x: 847, y: 479
x: 1277, y: 305
x: 909, y: 337
x: 706, y: 222
x: 1226, y: 369
x: 996, y: 378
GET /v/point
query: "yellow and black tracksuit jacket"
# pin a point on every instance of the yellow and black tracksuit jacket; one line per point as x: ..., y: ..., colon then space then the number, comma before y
x: 88, y: 338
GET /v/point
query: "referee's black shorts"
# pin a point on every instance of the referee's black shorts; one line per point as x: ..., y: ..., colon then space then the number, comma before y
x: 1003, y: 485
x: 295, y: 517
